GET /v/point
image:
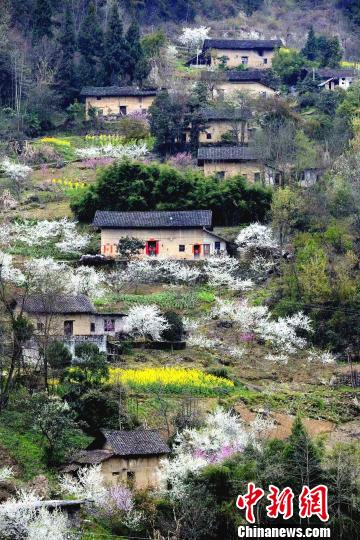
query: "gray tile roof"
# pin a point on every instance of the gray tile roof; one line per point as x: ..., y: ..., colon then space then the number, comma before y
x: 328, y: 73
x: 226, y: 153
x: 144, y: 220
x: 91, y: 457
x: 59, y: 303
x: 238, y: 44
x: 115, y: 91
x: 140, y: 442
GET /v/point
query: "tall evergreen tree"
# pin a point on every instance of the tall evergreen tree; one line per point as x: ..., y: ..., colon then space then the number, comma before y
x: 42, y: 20
x: 90, y: 45
x: 114, y: 48
x: 310, y: 48
x: 303, y: 458
x: 134, y: 49
x: 66, y: 73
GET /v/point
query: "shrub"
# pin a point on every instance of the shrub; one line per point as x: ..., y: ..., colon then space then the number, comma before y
x: 176, y: 328
x: 58, y: 355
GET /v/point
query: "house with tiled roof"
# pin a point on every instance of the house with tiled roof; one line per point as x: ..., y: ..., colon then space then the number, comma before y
x: 184, y: 235
x: 223, y: 83
x: 71, y: 319
x: 333, y: 78
x: 117, y: 100
x: 125, y: 457
x: 252, y: 53
x: 224, y: 161
x: 223, y: 124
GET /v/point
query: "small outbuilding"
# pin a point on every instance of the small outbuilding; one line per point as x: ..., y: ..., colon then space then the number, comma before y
x: 224, y: 161
x: 126, y: 457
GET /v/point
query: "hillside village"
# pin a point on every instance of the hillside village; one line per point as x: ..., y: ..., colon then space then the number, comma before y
x: 179, y: 268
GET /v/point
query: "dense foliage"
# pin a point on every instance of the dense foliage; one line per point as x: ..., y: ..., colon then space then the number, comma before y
x: 136, y: 186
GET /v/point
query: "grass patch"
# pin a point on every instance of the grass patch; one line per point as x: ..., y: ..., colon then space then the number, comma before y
x: 26, y: 449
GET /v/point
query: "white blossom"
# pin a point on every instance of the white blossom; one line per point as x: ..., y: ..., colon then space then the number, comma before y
x: 280, y: 358
x: 194, y: 37
x: 143, y: 321
x: 89, y: 484
x: 222, y: 435
x: 236, y: 352
x: 324, y: 357
x: 16, y: 171
x: 87, y: 280
x: 47, y: 525
x: 8, y: 272
x: 256, y: 236
x: 200, y: 341
x: 280, y: 333
x: 190, y: 325
x: 6, y: 473
x: 129, y: 151
x: 222, y: 271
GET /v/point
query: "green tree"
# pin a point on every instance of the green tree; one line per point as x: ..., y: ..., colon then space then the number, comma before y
x: 66, y: 71
x: 310, y: 49
x: 129, y: 247
x: 323, y: 50
x: 175, y: 331
x: 303, y: 458
x: 90, y: 43
x: 167, y: 122
x: 58, y: 355
x: 42, y: 23
x: 137, y: 66
x: 285, y: 212
x: 90, y: 366
x: 287, y: 64
x: 114, y: 48
x: 54, y: 421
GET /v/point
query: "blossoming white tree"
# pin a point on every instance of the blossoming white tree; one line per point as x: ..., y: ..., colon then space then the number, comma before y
x: 129, y: 151
x: 20, y: 518
x: 193, y: 38
x: 145, y: 321
x: 17, y: 172
x: 222, y: 435
x: 256, y: 236
x: 280, y: 333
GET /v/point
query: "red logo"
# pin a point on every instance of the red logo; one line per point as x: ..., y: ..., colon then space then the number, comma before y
x: 249, y: 500
x: 312, y: 502
x: 281, y: 502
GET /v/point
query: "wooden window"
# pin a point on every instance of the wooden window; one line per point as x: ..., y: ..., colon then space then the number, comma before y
x: 244, y: 60
x: 92, y: 327
x: 265, y: 60
x: 109, y: 325
x: 257, y: 177
x: 208, y: 136
x: 68, y: 328
x: 40, y: 326
x: 217, y: 246
x: 220, y: 175
x: 181, y: 247
x: 115, y: 473
x: 122, y: 110
x: 206, y: 248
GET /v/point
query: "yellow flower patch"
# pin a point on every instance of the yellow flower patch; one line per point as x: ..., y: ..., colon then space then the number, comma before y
x: 171, y: 380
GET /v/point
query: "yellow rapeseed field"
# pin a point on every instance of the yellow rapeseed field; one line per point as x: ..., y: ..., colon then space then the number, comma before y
x: 171, y: 380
